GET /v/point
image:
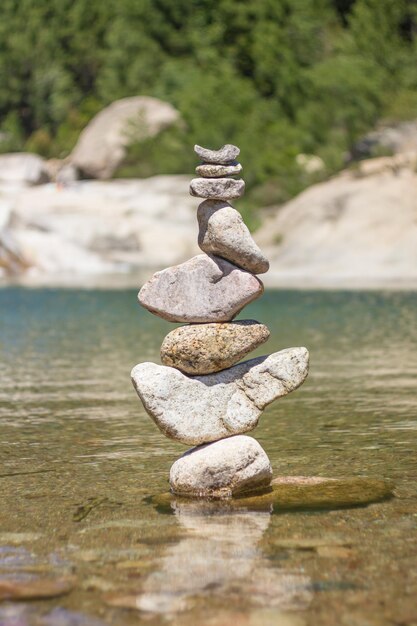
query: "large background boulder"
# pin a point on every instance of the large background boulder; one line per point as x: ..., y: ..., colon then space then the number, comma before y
x: 401, y: 137
x: 357, y: 229
x: 101, y: 146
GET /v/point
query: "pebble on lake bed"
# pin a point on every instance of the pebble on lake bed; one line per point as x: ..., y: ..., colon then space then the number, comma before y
x: 221, y: 469
x: 209, y: 348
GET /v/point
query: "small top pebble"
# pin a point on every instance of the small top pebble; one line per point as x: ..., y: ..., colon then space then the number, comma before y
x: 226, y: 155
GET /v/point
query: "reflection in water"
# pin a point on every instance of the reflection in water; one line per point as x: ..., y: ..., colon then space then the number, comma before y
x: 220, y: 557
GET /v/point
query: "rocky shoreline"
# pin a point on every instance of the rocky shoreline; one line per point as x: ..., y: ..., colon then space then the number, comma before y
x: 355, y: 231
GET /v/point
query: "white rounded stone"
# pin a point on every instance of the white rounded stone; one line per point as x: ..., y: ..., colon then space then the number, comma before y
x: 221, y: 469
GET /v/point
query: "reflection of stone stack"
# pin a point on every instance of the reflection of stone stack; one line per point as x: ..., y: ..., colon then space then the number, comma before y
x: 200, y: 396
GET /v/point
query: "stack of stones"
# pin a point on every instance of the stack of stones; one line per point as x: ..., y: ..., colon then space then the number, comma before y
x: 199, y: 396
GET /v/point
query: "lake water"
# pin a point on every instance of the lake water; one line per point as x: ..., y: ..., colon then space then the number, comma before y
x: 81, y: 461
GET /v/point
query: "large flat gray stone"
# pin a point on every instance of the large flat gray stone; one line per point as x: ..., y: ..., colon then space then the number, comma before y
x: 208, y: 348
x: 217, y: 188
x: 223, y: 232
x: 206, y: 408
x: 221, y: 469
x: 203, y: 289
x: 226, y: 155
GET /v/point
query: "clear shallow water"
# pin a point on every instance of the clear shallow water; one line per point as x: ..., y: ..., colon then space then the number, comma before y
x: 79, y: 459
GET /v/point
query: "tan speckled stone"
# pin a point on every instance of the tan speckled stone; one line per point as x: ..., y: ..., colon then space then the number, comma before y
x: 208, y: 348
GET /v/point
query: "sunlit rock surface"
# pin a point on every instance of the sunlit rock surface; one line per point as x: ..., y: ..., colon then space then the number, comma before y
x: 223, y: 468
x: 223, y: 232
x: 208, y: 348
x: 206, y: 408
x: 203, y: 289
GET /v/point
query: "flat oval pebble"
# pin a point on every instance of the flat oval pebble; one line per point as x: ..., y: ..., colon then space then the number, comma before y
x: 223, y: 232
x: 203, y: 289
x: 208, y: 348
x: 217, y: 188
x: 206, y: 408
x: 226, y: 155
x: 36, y: 589
x: 210, y: 170
x: 221, y: 469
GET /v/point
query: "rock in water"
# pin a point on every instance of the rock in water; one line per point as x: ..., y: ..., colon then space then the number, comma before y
x: 217, y: 188
x: 206, y: 408
x: 223, y: 232
x: 203, y: 289
x: 221, y: 469
x: 209, y: 170
x: 224, y: 156
x: 208, y: 348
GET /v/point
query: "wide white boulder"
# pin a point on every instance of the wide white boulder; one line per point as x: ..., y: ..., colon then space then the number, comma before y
x: 206, y: 408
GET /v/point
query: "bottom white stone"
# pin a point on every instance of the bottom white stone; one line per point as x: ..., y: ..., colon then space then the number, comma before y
x: 221, y: 469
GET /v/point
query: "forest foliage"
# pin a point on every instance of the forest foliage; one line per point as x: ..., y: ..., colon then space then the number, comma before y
x: 276, y: 77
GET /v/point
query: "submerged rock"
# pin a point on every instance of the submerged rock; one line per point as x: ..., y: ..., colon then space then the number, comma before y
x: 223, y: 232
x: 226, y: 155
x: 208, y: 348
x: 301, y: 492
x: 206, y: 408
x: 218, y: 188
x: 221, y: 469
x: 203, y: 289
x: 296, y: 494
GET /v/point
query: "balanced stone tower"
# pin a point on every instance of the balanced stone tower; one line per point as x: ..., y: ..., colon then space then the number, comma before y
x: 199, y: 396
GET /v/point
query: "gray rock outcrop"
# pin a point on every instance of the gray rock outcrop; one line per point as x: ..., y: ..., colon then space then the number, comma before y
x: 211, y: 410
x: 102, y: 144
